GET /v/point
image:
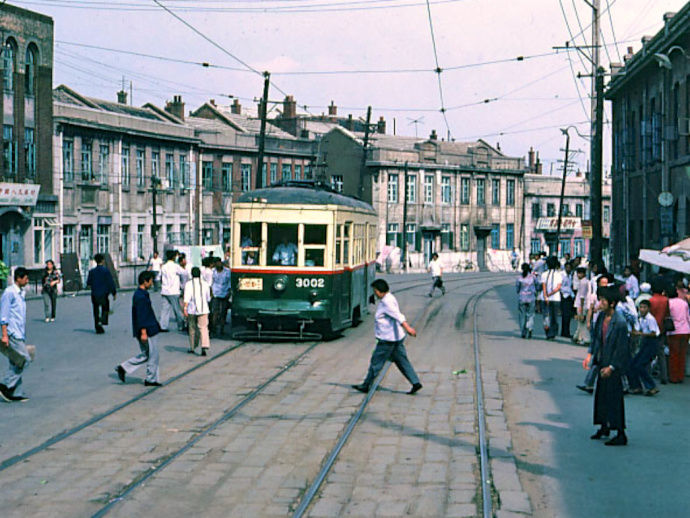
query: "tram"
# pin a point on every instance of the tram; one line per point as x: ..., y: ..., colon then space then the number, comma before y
x: 302, y: 261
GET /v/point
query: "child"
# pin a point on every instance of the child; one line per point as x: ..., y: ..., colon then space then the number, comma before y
x: 648, y: 331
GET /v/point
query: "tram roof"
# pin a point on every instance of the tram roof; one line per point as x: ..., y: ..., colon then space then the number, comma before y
x: 306, y: 194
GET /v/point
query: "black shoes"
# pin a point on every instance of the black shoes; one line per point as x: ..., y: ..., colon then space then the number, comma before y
x: 120, y: 373
x: 203, y: 352
x: 152, y: 384
x: 5, y: 393
x: 100, y: 330
x: 601, y: 432
x: 362, y: 388
x: 415, y: 388
x: 19, y: 399
x: 165, y: 330
x: 190, y: 351
x: 585, y: 388
x: 619, y: 440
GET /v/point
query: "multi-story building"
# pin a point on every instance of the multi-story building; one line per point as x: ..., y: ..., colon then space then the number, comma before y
x: 27, y: 198
x: 460, y: 199
x: 109, y: 156
x: 650, y: 94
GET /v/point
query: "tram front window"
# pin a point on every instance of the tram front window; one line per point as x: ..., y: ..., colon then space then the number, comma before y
x: 282, y: 245
x: 314, y: 245
x: 250, y: 242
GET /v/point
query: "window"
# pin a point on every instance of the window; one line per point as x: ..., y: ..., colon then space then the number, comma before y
x: 579, y: 247
x: 170, y: 170
x: 274, y: 173
x: 226, y: 176
x: 286, y: 172
x: 314, y: 245
x: 43, y: 241
x: 68, y: 232
x: 578, y: 210
x: 103, y: 156
x: 207, y: 175
x: 446, y: 196
x: 170, y: 233
x: 307, y: 172
x: 125, y: 166
x: 392, y: 188
x: 393, y: 234
x: 140, y: 167
x: 510, y: 193
x: 536, y: 211
x: 263, y: 175
x: 298, y: 172
x: 86, y: 164
x: 607, y: 214
x: 124, y: 242
x: 184, y: 172
x: 465, y: 191
x: 411, y: 188
x: 428, y: 188
x: 481, y: 192
x: 446, y: 237
x: 103, y: 239
x: 495, y: 192
x: 140, y: 242
x: 337, y: 182
x: 246, y: 177
x: 155, y: 164
x: 535, y: 246
x: 564, y: 247
x: 464, y: 237
x: 495, y: 236
x: 9, y: 160
x: 68, y: 160
x: 550, y: 210
x: 30, y: 72
x: 510, y: 236
x: 282, y: 244
x: 411, y: 232
x: 8, y: 61
x: 30, y: 152
x: 566, y: 209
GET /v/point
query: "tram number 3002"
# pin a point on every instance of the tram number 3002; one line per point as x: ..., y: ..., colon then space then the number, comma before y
x: 307, y: 282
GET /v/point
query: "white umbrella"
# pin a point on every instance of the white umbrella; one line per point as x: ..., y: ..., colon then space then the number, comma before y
x: 675, y: 257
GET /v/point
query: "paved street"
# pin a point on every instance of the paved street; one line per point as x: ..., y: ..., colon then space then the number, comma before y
x: 409, y: 455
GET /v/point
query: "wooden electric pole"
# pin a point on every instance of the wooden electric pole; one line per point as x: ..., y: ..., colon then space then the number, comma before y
x: 565, y: 174
x: 263, y: 113
x: 404, y: 224
x: 365, y: 148
x: 154, y: 229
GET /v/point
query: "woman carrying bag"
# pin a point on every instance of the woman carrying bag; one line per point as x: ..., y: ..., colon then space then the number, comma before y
x: 51, y: 279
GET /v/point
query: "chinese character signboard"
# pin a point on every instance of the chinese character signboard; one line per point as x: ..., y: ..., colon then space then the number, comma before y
x: 568, y: 224
x: 25, y: 194
x: 587, y: 232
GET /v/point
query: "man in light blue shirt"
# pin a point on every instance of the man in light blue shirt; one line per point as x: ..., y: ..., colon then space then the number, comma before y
x: 285, y: 253
x: 390, y: 326
x: 13, y: 340
x: 220, y: 289
x: 631, y: 283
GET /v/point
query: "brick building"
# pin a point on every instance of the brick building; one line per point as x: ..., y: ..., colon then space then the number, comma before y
x: 27, y: 198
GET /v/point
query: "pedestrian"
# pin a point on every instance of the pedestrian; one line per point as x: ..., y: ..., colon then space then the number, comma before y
x: 220, y: 290
x: 581, y: 303
x: 51, y: 279
x: 171, y: 275
x: 567, y: 300
x: 593, y: 312
x: 145, y: 329
x: 197, y: 295
x: 390, y: 326
x: 13, y: 322
x: 102, y: 286
x: 658, y: 307
x: 678, y: 337
x: 155, y: 265
x: 514, y: 259
x: 648, y: 331
x: 526, y: 286
x: 551, y: 281
x: 207, y: 270
x: 631, y: 282
x: 436, y: 275
x: 645, y: 293
x: 611, y: 353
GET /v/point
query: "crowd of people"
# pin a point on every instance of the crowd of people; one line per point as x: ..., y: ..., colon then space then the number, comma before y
x: 633, y: 331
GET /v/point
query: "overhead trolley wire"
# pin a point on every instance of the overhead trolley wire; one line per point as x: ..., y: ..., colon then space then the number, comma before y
x: 438, y: 70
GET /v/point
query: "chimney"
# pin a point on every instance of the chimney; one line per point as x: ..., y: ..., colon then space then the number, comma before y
x: 646, y: 39
x: 668, y: 16
x: 629, y: 55
x: 350, y: 123
x: 122, y: 97
x: 289, y: 107
x: 236, y: 107
x: 175, y: 107
x: 616, y: 68
x: 332, y: 110
x: 212, y: 102
x: 498, y: 146
x: 538, y: 164
x: 381, y: 126
x: 530, y: 160
x: 433, y: 135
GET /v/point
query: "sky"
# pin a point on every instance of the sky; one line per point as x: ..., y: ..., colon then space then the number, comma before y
x: 378, y: 53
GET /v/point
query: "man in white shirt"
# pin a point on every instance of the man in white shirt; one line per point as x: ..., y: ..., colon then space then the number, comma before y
x: 647, y: 329
x: 551, y: 281
x: 631, y: 283
x: 436, y: 273
x: 171, y: 275
x: 390, y: 326
x: 285, y: 253
x: 155, y: 265
x: 197, y: 296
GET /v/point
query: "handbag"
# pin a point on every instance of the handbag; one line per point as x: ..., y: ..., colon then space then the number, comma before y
x: 668, y: 324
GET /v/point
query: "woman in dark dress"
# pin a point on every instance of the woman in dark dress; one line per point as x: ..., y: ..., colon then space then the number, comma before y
x: 611, y: 352
x: 51, y: 278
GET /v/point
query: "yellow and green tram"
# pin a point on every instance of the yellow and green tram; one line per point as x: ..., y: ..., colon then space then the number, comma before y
x: 302, y: 261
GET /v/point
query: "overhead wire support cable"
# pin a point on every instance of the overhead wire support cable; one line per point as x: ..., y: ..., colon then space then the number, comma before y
x: 613, y: 30
x: 438, y: 69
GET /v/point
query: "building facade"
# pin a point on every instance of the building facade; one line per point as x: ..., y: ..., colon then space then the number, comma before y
x: 28, y: 202
x: 650, y: 95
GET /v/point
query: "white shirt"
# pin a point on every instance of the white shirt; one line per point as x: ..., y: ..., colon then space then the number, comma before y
x: 170, y: 278
x: 647, y: 324
x: 551, y: 279
x: 388, y: 320
x: 285, y: 254
x: 156, y: 263
x: 435, y: 268
x: 207, y: 274
x: 197, y: 295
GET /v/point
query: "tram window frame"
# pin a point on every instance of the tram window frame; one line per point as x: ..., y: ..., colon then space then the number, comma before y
x: 272, y: 241
x: 358, y: 243
x: 252, y: 230
x: 372, y: 243
x: 347, y: 237
x: 338, y: 244
x: 315, y: 246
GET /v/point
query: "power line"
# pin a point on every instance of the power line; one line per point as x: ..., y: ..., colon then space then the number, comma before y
x: 438, y: 70
x: 613, y: 30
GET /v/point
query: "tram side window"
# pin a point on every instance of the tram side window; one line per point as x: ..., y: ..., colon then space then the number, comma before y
x: 314, y: 245
x: 346, y: 242
x: 338, y: 243
x: 358, y: 243
x: 282, y: 245
x: 250, y: 242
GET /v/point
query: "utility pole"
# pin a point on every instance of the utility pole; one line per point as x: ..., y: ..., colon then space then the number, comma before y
x: 263, y: 112
x: 154, y: 229
x: 565, y: 173
x: 404, y: 229
x: 597, y: 113
x: 365, y: 148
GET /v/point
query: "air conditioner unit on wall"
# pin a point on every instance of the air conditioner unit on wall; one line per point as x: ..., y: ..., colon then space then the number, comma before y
x: 684, y: 126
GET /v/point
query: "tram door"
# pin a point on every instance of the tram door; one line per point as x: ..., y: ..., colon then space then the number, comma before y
x: 346, y: 277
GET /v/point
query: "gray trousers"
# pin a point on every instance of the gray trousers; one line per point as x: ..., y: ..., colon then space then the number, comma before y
x: 13, y: 377
x: 49, y: 303
x: 526, y: 317
x: 149, y: 356
x: 171, y: 305
x: 395, y: 352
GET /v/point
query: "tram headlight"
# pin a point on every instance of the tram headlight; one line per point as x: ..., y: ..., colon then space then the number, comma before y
x: 280, y: 284
x: 313, y: 295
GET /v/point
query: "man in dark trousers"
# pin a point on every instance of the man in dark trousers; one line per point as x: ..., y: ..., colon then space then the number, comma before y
x: 102, y: 285
x: 611, y: 352
x: 390, y: 326
x: 145, y: 328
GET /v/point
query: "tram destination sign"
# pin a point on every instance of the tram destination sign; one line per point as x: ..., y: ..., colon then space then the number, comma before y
x: 24, y: 194
x: 251, y: 283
